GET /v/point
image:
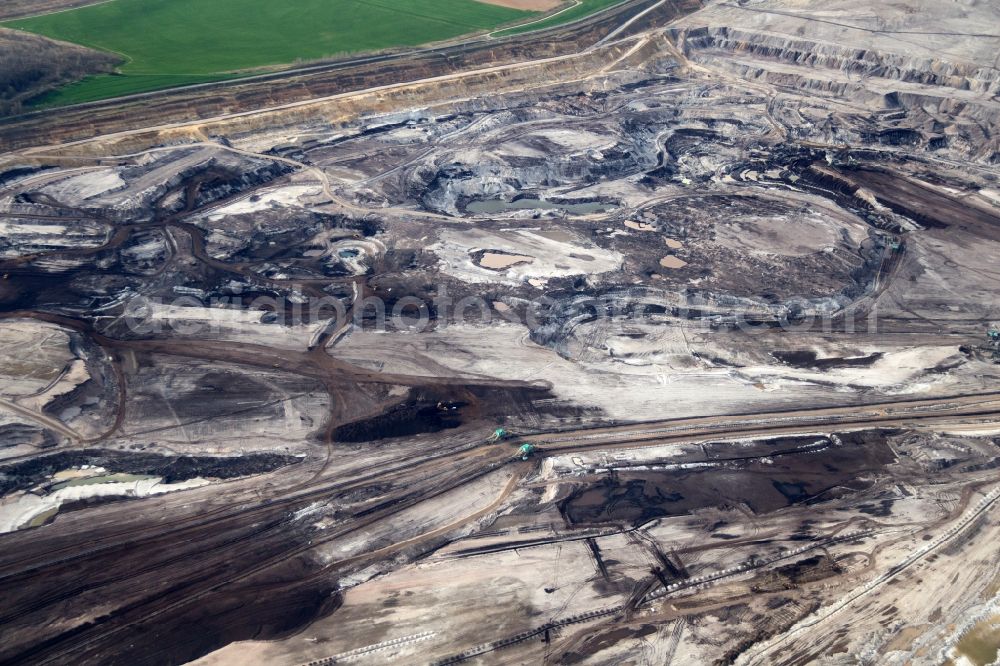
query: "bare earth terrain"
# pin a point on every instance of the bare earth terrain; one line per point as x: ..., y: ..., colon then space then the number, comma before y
x: 21, y: 8
x: 666, y: 337
x: 528, y: 5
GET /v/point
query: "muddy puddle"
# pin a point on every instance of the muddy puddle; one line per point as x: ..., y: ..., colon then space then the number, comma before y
x: 500, y: 262
x: 764, y: 477
x: 981, y: 644
x: 673, y: 262
x: 639, y: 226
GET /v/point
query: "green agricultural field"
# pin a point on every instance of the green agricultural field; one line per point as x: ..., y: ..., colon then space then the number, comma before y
x: 176, y: 42
x: 578, y: 11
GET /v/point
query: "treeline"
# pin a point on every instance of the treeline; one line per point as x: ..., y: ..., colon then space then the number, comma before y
x: 31, y: 65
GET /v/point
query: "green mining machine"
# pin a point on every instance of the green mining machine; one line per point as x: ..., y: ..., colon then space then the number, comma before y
x: 498, y: 436
x: 527, y: 450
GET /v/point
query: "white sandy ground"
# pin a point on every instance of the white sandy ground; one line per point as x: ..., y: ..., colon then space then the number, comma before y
x: 74, y: 375
x: 27, y: 236
x: 32, y: 357
x: 555, y: 468
x: 10, y: 228
x: 436, y: 591
x: 76, y: 190
x: 435, y: 595
x: 575, y: 140
x: 672, y: 385
x: 551, y: 257
x: 883, y: 29
x: 786, y: 235
x: 896, y: 372
x: 164, y: 168
x: 230, y: 324
x: 275, y: 197
x: 17, y: 510
x: 987, y: 615
x: 422, y: 611
x: 450, y: 507
x: 37, y: 366
x: 106, y: 187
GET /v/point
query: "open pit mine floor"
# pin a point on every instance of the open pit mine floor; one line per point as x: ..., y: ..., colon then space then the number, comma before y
x: 668, y: 335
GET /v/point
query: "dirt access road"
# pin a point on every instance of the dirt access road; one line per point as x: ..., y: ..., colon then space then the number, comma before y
x: 267, y: 92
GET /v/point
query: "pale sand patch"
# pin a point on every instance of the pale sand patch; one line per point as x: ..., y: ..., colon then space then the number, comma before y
x: 673, y: 244
x: 465, y: 254
x: 501, y: 261
x: 556, y: 235
x: 76, y: 374
x: 639, y: 226
x: 527, y: 5
x: 672, y: 262
x: 19, y: 510
x: 70, y: 474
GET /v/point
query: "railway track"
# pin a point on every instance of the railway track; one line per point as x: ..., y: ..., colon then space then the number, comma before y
x: 13, y: 571
x: 628, y: 436
x: 189, y: 592
x: 894, y: 413
x: 471, y: 463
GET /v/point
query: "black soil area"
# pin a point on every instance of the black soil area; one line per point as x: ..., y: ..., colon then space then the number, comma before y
x: 800, y: 572
x: 269, y: 606
x: 25, y: 288
x: 605, y: 640
x: 30, y: 473
x: 763, y: 482
x: 809, y: 359
x: 435, y: 410
x: 238, y: 613
x: 409, y: 418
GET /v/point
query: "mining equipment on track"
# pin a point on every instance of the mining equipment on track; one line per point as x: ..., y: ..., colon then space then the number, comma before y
x: 993, y: 341
x: 498, y: 435
x: 527, y: 450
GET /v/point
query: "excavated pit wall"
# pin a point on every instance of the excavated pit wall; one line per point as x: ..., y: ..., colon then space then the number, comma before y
x: 821, y: 55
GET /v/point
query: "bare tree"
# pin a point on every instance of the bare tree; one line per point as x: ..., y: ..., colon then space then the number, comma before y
x: 31, y: 65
